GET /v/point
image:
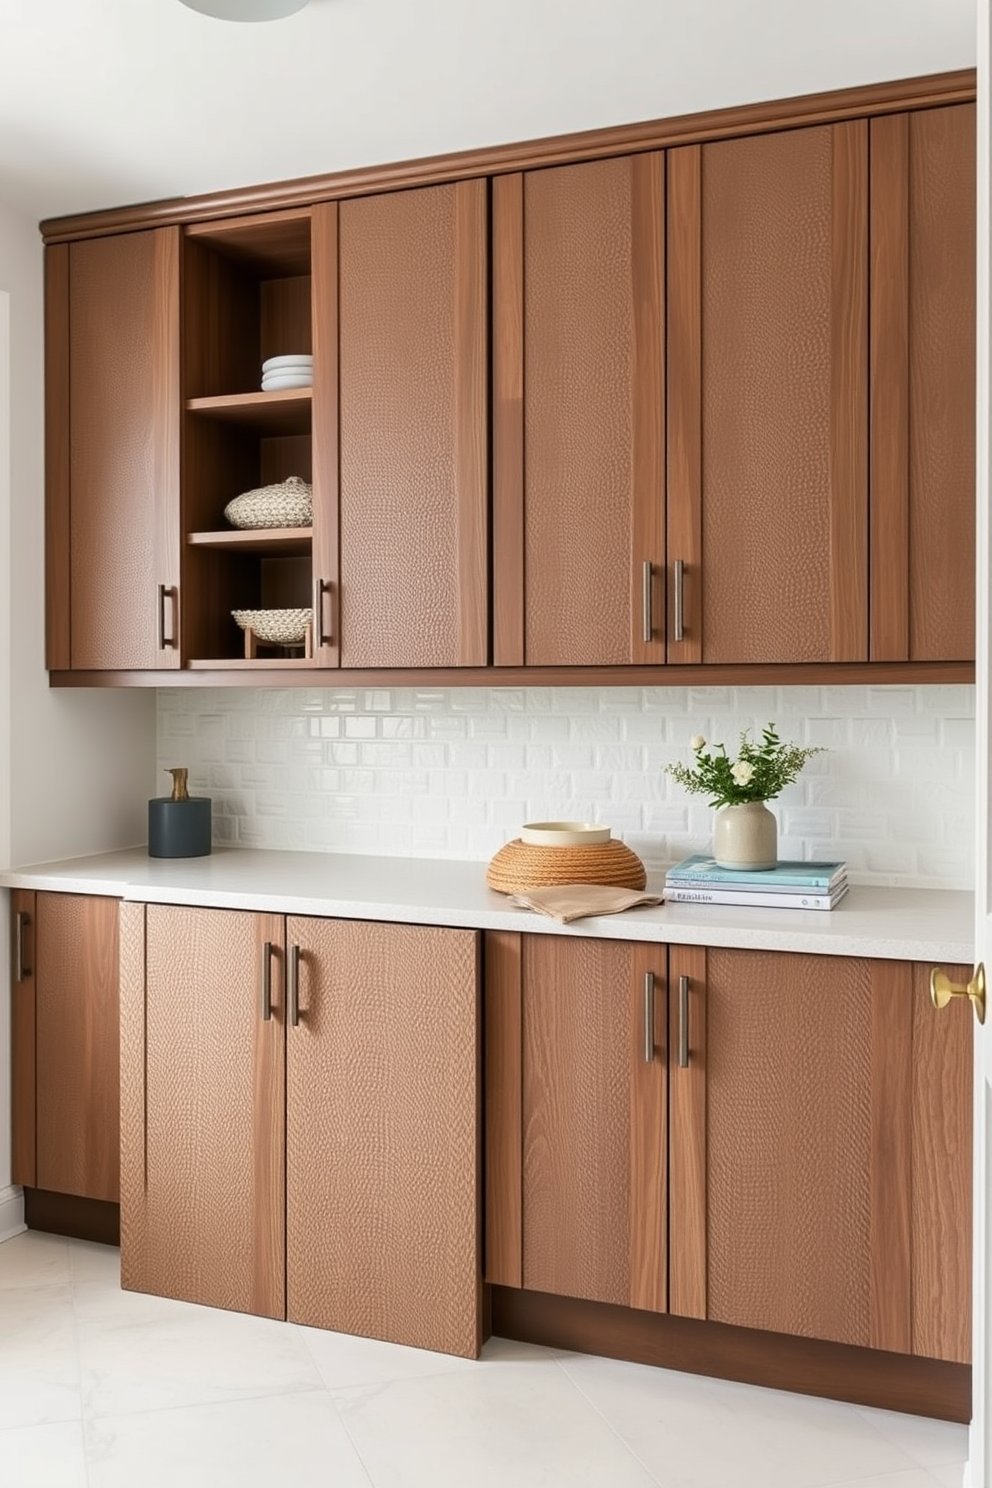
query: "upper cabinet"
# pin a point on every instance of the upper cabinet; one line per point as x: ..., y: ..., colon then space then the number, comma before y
x: 701, y: 405
x: 112, y: 452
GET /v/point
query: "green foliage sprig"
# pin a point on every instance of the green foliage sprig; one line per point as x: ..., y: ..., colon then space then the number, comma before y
x: 759, y: 773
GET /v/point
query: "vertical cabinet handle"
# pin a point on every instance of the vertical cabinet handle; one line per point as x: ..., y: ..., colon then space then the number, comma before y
x: 21, y: 969
x: 266, y: 981
x: 166, y: 642
x: 679, y: 599
x: 293, y: 979
x: 649, y: 1017
x: 325, y: 633
x: 648, y: 574
x: 683, y: 1022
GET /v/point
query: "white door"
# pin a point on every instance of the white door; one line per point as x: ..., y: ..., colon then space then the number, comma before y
x: 980, y: 1464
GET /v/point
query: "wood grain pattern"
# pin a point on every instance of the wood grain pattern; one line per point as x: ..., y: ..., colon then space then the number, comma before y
x: 685, y: 397
x: 594, y: 399
x: 203, y: 1091
x: 889, y: 390
x: 285, y: 321
x: 783, y: 338
x: 413, y: 348
x: 124, y: 448
x: 503, y: 1086
x: 77, y: 1033
x: 593, y: 1170
x: 942, y: 277
x: 23, y: 1085
x: 279, y: 239
x: 383, y: 1134
x: 688, y: 1222
x: 508, y: 419
x: 757, y: 118
x: 891, y: 1180
x: 835, y: 1371
x: 817, y: 674
x: 649, y: 1135
x: 941, y: 1126
x: 58, y: 580
x: 326, y: 477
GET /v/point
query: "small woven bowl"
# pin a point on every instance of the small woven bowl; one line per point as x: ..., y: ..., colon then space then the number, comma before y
x: 288, y: 504
x: 278, y: 627
x: 518, y: 866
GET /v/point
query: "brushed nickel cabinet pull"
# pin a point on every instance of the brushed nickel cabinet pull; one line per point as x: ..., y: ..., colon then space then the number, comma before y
x: 679, y: 599
x: 325, y: 635
x: 21, y: 971
x: 266, y: 981
x: 683, y: 1022
x: 166, y: 642
x: 294, y: 985
x: 649, y: 1017
x: 646, y: 601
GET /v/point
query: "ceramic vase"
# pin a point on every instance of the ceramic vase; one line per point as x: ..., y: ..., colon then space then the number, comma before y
x: 745, y: 836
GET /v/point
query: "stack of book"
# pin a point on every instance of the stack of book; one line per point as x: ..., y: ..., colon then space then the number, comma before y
x: 700, y: 880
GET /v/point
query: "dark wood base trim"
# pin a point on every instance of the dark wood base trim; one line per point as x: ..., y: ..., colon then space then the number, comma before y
x: 67, y: 1214
x: 818, y: 674
x: 806, y: 1366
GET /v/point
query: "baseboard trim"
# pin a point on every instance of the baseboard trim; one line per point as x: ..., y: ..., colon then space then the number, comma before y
x: 11, y: 1212
x: 67, y: 1214
x: 806, y: 1366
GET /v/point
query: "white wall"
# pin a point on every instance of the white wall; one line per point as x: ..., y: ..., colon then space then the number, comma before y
x: 75, y: 767
x: 454, y: 773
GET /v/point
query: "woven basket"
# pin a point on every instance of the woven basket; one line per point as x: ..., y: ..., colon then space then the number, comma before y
x: 288, y: 504
x: 518, y: 866
x: 278, y: 627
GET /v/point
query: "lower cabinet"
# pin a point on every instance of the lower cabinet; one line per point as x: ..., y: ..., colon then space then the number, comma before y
x: 763, y: 1139
x: 64, y: 1044
x: 300, y: 1120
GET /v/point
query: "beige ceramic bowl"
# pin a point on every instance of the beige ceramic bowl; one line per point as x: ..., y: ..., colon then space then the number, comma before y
x: 563, y: 834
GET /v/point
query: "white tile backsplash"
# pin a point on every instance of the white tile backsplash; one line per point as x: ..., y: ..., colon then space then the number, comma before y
x: 453, y: 773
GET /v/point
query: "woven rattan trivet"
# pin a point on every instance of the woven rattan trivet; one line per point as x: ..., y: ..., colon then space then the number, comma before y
x: 519, y: 866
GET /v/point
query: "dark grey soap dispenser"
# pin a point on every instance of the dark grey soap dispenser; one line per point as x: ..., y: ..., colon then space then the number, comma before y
x: 179, y: 825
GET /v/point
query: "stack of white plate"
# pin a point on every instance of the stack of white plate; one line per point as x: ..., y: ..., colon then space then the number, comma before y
x: 283, y: 372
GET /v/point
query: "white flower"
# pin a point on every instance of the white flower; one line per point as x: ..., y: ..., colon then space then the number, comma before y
x: 696, y: 742
x: 742, y: 772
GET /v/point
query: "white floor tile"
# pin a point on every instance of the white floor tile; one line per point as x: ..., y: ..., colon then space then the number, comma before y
x: 32, y: 1259
x: 91, y: 1263
x: 344, y: 1360
x: 521, y: 1424
x: 39, y: 1364
x: 717, y: 1434
x: 43, y: 1456
x: 916, y: 1477
x: 949, y: 1476
x: 140, y: 1353
x: 295, y: 1440
x: 930, y: 1443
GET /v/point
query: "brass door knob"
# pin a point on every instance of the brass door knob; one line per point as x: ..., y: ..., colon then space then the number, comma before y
x: 942, y: 989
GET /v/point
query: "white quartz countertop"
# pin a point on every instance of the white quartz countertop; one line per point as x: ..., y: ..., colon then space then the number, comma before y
x: 892, y: 924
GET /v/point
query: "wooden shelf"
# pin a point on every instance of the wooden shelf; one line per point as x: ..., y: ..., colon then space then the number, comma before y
x: 268, y: 413
x: 288, y: 541
x: 258, y: 663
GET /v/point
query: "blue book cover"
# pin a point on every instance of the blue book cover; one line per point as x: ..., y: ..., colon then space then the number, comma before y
x: 699, y: 869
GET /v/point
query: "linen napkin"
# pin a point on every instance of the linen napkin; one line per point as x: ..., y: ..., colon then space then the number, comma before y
x: 566, y: 902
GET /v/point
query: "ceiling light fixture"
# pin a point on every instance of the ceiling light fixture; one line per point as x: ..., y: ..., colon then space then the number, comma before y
x: 246, y: 10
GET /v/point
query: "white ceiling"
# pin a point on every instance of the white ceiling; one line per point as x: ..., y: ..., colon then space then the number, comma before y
x: 107, y: 102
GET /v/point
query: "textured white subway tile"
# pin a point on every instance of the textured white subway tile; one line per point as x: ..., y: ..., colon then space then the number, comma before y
x: 613, y: 757
x: 897, y: 860
x: 360, y: 726
x: 800, y: 821
x: 956, y: 701
x: 707, y: 699
x: 893, y: 700
x: 871, y: 733
x: 573, y: 702
x: 958, y: 733
x: 391, y: 754
x: 916, y: 728
x: 861, y: 826
x: 827, y: 733
x: 337, y: 701
x: 507, y: 700
x: 920, y: 761
x: 468, y: 754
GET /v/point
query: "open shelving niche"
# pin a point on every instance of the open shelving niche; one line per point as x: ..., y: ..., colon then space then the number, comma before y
x: 246, y: 297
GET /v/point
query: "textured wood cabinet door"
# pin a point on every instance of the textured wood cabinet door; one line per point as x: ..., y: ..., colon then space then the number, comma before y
x: 202, y: 1107
x: 923, y: 385
x: 594, y: 1180
x: 77, y: 1067
x: 820, y: 1153
x: 412, y: 323
x: 578, y: 414
x: 767, y: 396
x: 382, y: 1134
x: 113, y: 302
